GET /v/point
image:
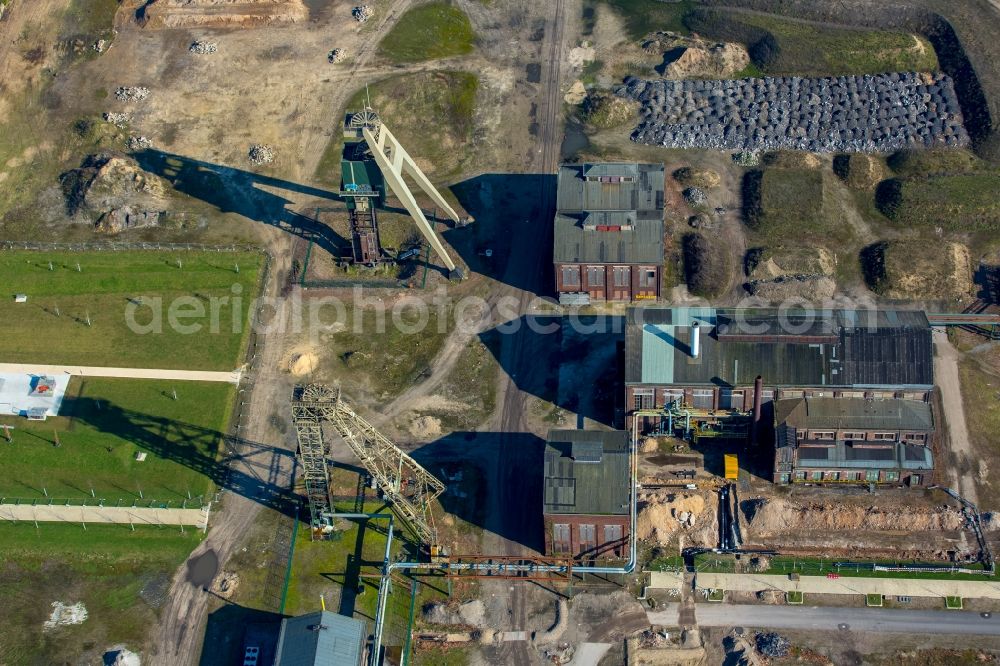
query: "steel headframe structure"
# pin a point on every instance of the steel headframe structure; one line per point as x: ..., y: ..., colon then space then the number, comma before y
x: 407, y: 487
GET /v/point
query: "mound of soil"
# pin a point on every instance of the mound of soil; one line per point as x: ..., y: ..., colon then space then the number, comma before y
x: 220, y: 13
x: 114, y: 191
x: 425, y: 427
x: 777, y: 516
x: 660, y: 517
x: 916, y: 269
x: 859, y: 171
x: 303, y: 363
x: 693, y: 57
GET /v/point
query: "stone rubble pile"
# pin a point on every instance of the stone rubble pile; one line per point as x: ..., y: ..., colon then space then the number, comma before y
x: 362, y: 13
x: 871, y: 113
x: 203, y: 48
x: 261, y: 154
x: 131, y: 93
x: 695, y: 196
x: 119, y: 120
x: 336, y: 55
x: 138, y: 143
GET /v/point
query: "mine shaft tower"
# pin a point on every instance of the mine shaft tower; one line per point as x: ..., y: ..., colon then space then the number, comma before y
x: 373, y: 159
x: 406, y: 485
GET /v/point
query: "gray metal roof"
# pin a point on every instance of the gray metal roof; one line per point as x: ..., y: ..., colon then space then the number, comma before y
x: 321, y: 639
x: 854, y: 413
x: 843, y: 455
x: 582, y: 486
x: 635, y: 205
x: 844, y: 348
x: 577, y: 194
x: 575, y: 244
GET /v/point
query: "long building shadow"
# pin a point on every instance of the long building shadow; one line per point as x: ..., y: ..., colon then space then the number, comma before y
x: 480, y: 469
x: 511, y: 238
x: 569, y: 361
x: 259, y: 472
x: 232, y: 628
x: 234, y: 190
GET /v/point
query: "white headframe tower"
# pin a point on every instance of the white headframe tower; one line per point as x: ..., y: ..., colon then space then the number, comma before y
x: 394, y: 162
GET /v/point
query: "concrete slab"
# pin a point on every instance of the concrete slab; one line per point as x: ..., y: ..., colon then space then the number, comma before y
x: 890, y: 587
x: 15, y: 392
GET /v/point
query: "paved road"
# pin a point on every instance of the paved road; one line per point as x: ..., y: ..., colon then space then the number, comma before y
x: 231, y: 377
x: 887, y: 620
x: 107, y: 515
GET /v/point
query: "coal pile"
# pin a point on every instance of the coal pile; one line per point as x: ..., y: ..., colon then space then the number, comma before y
x: 871, y: 113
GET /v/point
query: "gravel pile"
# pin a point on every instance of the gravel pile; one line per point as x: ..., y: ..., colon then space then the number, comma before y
x: 695, y: 196
x: 261, y: 154
x: 119, y: 120
x: 131, y: 93
x: 336, y: 55
x: 139, y: 143
x: 772, y: 645
x: 362, y: 13
x: 871, y: 113
x: 203, y: 48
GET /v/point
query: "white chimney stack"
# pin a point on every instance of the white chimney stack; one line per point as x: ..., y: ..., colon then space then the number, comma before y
x: 695, y: 339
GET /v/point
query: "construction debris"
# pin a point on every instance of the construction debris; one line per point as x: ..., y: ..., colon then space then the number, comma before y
x: 203, y: 48
x: 131, y: 93
x: 225, y: 584
x: 100, y: 45
x: 471, y: 613
x: 870, y: 113
x: 335, y: 56
x: 261, y: 154
x: 138, y: 143
x: 695, y: 196
x: 362, y: 13
x: 66, y: 614
x: 772, y: 645
x: 120, y: 656
x: 124, y: 218
x: 119, y: 120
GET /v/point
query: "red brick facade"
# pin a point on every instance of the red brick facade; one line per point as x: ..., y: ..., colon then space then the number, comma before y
x: 586, y: 537
x: 610, y: 282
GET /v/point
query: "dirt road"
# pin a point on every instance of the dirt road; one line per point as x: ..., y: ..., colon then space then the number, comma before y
x: 946, y: 359
x: 178, y: 637
x: 232, y: 377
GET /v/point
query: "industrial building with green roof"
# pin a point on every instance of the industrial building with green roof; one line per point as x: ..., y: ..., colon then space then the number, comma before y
x: 707, y: 359
x: 586, y: 493
x: 853, y: 440
x: 609, y: 232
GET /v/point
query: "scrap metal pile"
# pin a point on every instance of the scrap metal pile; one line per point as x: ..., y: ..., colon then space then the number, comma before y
x: 871, y: 113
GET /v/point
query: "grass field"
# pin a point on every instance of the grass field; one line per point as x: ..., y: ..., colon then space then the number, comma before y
x: 427, y: 32
x: 809, y: 566
x: 52, y: 326
x: 806, y: 49
x: 980, y: 391
x: 107, y: 422
x: 926, y: 162
x: 790, y: 206
x: 644, y: 16
x: 431, y: 113
x: 120, y: 576
x: 958, y: 202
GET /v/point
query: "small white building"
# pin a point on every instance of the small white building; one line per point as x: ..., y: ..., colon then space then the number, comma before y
x: 20, y: 394
x: 20, y: 298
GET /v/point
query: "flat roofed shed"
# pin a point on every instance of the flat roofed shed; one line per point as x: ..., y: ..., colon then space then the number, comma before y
x: 854, y: 414
x: 321, y: 639
x: 586, y: 472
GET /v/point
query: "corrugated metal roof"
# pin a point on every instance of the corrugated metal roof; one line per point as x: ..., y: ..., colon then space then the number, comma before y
x: 576, y: 194
x: 897, y: 456
x: 854, y: 414
x: 321, y: 639
x: 877, y: 348
x: 574, y: 244
x: 588, y: 488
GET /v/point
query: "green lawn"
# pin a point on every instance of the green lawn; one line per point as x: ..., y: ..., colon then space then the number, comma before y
x: 960, y: 202
x: 794, y: 597
x: 106, y: 422
x: 788, y: 206
x: 779, y: 46
x: 431, y: 113
x: 953, y: 603
x: 805, y: 566
x: 120, y: 576
x: 644, y: 16
x: 427, y: 32
x: 873, y: 600
x: 52, y: 326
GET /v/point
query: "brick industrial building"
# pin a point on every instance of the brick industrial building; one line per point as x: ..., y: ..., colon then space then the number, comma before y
x: 830, y: 440
x: 609, y: 232
x: 586, y: 494
x: 707, y: 359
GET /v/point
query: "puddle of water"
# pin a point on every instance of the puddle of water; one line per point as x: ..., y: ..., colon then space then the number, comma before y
x: 574, y: 141
x: 202, y: 569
